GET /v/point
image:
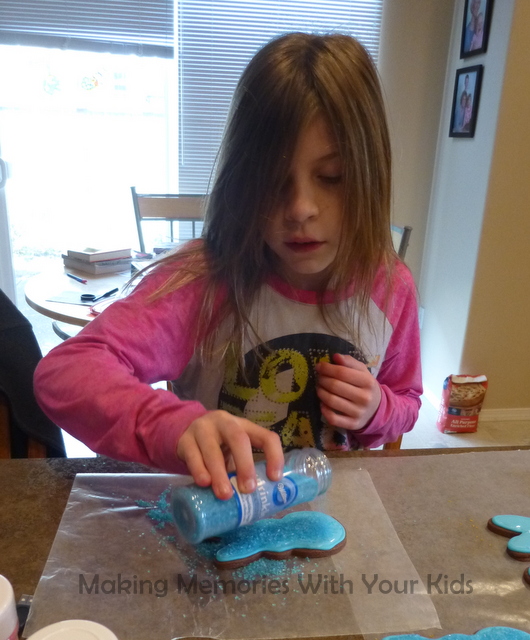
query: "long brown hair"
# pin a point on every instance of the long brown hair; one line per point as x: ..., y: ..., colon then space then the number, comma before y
x: 288, y: 82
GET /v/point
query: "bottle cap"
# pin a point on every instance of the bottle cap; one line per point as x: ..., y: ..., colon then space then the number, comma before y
x: 74, y: 630
x: 8, y: 610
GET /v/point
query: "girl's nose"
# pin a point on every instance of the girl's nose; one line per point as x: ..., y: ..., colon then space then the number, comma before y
x: 301, y: 203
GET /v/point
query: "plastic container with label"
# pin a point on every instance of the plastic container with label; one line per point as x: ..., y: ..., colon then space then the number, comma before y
x: 8, y: 611
x: 74, y: 630
x: 199, y: 514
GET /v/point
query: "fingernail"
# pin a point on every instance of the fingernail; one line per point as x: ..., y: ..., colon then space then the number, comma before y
x: 250, y: 485
x: 224, y: 491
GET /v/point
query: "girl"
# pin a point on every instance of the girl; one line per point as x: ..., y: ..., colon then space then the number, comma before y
x: 292, y: 322
x: 468, y: 112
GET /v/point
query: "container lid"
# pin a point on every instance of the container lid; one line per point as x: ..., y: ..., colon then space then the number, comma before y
x: 8, y: 610
x: 74, y: 630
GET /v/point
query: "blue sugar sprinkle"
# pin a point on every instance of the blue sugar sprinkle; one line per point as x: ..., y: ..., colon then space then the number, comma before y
x: 300, y: 529
x: 159, y: 510
x: 259, y: 568
x: 202, y: 555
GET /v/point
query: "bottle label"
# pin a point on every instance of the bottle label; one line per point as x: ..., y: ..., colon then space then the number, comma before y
x: 268, y: 498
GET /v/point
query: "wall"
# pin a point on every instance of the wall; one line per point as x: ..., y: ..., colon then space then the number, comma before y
x: 456, y: 214
x: 497, y: 337
x: 412, y: 64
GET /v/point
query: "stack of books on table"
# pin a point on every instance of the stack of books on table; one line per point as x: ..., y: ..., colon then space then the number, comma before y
x: 96, y: 261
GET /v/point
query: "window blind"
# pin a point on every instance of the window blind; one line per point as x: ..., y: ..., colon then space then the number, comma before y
x: 141, y: 27
x: 215, y: 42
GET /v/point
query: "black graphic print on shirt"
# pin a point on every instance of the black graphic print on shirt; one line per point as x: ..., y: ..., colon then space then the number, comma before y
x: 279, y: 389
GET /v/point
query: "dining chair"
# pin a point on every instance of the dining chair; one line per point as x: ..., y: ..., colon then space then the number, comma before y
x: 400, y: 239
x: 59, y: 331
x: 9, y: 445
x: 25, y: 430
x: 393, y: 445
x: 170, y: 207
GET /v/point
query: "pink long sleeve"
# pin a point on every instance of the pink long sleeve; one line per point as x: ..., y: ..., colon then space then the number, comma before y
x: 96, y: 385
x: 400, y: 373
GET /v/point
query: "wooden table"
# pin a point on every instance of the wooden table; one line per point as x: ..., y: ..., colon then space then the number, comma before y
x: 43, y: 286
x: 35, y: 493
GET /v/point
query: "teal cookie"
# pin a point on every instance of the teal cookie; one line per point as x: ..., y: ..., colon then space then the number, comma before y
x: 491, y: 633
x: 301, y: 533
x: 518, y: 529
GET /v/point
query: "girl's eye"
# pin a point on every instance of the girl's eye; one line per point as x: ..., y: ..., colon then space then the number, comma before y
x: 334, y: 179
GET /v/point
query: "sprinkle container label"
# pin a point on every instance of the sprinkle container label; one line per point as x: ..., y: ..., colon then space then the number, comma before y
x: 268, y: 498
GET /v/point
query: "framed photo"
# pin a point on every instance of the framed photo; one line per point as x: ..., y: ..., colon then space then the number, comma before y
x: 476, y: 27
x: 466, y: 99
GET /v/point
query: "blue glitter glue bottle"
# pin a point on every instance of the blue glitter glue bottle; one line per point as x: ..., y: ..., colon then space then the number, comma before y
x: 199, y: 514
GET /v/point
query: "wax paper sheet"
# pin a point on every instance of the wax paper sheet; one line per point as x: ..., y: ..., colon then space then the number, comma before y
x: 118, y: 560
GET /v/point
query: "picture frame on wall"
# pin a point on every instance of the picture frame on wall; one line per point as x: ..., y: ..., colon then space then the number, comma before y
x: 476, y: 27
x: 466, y: 99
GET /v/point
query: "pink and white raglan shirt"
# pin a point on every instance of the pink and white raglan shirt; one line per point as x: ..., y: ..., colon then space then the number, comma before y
x: 96, y: 385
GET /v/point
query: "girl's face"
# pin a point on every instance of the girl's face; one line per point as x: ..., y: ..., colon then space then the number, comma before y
x: 304, y: 232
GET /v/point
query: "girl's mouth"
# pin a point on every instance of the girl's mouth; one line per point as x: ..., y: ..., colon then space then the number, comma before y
x: 303, y: 247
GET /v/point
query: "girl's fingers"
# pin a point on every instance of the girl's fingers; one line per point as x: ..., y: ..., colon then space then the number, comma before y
x: 271, y: 445
x: 200, y: 447
x: 189, y: 452
x: 253, y: 436
x: 348, y: 361
x: 340, y: 404
x: 229, y: 460
x: 349, y: 393
x: 339, y: 420
x: 214, y: 461
x: 332, y: 386
x: 239, y: 443
x: 217, y: 437
x: 330, y: 374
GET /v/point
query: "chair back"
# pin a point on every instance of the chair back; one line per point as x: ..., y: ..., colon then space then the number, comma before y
x: 25, y: 430
x: 34, y: 448
x: 393, y: 445
x: 400, y: 239
x: 171, y: 207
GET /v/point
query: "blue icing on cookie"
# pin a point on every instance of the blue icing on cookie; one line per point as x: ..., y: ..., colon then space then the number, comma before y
x: 491, y: 633
x: 297, y: 530
x: 519, y: 525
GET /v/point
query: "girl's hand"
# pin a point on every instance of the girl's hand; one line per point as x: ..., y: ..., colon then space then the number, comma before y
x: 211, y: 440
x: 349, y: 393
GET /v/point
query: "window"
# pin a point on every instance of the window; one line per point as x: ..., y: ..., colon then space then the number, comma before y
x: 214, y: 40
x: 101, y: 95
x: 141, y: 27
